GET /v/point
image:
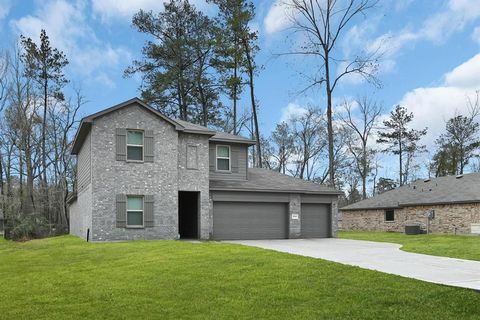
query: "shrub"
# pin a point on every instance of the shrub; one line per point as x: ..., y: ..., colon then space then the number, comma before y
x: 25, y: 228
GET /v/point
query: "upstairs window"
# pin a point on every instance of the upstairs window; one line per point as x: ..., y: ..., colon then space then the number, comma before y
x: 134, y: 145
x: 390, y: 215
x: 223, y: 158
x: 135, y: 211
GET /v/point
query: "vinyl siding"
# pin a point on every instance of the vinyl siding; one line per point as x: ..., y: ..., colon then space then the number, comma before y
x: 84, y: 165
x: 238, y: 162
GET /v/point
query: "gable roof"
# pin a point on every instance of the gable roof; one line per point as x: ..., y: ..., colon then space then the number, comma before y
x: 217, y: 135
x: 179, y: 125
x: 443, y: 190
x: 264, y: 180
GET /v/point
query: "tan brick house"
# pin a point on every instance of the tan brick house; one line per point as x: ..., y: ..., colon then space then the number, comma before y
x: 454, y: 199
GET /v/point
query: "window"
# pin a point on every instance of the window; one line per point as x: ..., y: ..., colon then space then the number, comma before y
x: 134, y: 145
x: 390, y: 215
x: 223, y: 158
x: 134, y: 211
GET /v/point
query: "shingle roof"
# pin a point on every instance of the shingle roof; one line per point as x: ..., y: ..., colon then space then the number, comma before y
x: 217, y: 135
x: 442, y: 190
x: 192, y: 127
x: 227, y: 137
x: 264, y: 180
x: 179, y: 125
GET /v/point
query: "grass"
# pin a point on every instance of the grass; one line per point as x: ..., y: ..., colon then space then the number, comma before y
x: 67, y: 278
x: 453, y: 246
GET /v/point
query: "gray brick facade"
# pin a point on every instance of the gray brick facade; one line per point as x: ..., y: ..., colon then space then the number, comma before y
x: 179, y: 158
x: 196, y: 179
x: 294, y: 216
x: 111, y: 177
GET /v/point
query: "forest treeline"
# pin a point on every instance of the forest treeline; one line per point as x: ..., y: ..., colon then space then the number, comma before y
x: 203, y: 68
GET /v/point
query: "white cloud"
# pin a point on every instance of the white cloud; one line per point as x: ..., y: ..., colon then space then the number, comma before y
x: 109, y: 9
x: 105, y: 80
x: 278, y: 16
x: 476, y: 35
x: 64, y: 22
x: 292, y: 110
x: 125, y: 9
x: 438, y: 28
x: 433, y: 106
x: 466, y: 75
x: 442, y: 25
x: 4, y: 8
x: 68, y: 30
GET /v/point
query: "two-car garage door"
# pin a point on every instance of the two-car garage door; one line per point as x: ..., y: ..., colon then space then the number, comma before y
x: 267, y: 220
x: 250, y: 220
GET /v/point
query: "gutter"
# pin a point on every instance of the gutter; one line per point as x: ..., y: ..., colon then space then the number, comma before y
x: 277, y: 191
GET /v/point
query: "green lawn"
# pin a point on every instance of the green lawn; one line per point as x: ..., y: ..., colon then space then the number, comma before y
x: 463, y: 247
x: 67, y: 278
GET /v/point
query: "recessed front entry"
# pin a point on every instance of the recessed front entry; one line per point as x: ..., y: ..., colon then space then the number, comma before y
x: 188, y: 214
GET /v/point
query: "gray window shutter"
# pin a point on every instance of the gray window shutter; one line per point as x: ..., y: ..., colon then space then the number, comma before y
x: 121, y: 144
x: 148, y: 211
x: 234, y: 158
x: 211, y: 155
x: 149, y: 146
x: 121, y: 208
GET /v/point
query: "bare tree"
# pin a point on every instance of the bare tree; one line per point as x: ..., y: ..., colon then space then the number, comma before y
x: 309, y: 142
x: 283, y: 139
x: 63, y: 119
x: 30, y: 201
x: 321, y: 24
x: 4, y: 67
x: 361, y: 126
x: 22, y: 120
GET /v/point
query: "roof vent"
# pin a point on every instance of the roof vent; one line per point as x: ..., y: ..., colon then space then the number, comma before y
x: 426, y: 180
x: 460, y: 176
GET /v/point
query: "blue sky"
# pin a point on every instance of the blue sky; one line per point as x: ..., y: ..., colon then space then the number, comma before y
x: 430, y: 64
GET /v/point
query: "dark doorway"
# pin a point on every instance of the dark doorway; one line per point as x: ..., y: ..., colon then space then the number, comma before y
x: 188, y: 214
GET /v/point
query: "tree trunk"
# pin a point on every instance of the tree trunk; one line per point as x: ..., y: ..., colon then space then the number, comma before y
x: 254, y: 104
x: 204, y: 102
x: 235, y: 88
x: 29, y: 203
x: 2, y: 187
x: 365, y: 169
x: 400, y: 161
x: 44, y: 150
x: 331, y: 157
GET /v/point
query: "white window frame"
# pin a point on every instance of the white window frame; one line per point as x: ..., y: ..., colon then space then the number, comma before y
x: 135, y: 145
x: 229, y: 158
x: 142, y: 211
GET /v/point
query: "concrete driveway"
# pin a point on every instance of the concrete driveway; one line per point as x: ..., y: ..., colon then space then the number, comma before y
x: 384, y: 257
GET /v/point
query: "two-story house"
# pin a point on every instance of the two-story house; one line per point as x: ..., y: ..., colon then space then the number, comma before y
x: 142, y: 175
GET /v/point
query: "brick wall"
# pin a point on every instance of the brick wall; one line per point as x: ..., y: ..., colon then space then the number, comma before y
x: 111, y: 177
x: 196, y: 178
x: 448, y: 218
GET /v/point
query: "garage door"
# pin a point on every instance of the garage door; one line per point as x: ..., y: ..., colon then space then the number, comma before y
x: 315, y: 220
x: 249, y: 220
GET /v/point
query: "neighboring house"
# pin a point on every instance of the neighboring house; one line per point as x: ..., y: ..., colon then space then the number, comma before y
x: 454, y: 199
x: 141, y: 175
